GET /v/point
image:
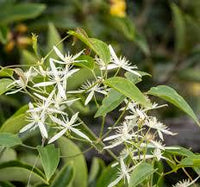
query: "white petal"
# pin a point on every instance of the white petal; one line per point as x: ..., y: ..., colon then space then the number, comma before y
x: 27, y: 127
x: 57, y: 61
x: 58, y: 121
x: 79, y: 133
x: 61, y: 91
x: 53, y: 68
x: 89, y: 97
x: 74, y: 118
x: 58, y: 135
x: 112, y: 137
x: 44, y: 84
x: 60, y: 55
x: 113, y: 54
x: 43, y: 129
x: 116, y: 181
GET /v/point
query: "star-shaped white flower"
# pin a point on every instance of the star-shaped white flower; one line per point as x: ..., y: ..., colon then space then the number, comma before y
x: 66, y: 59
x: 36, y: 119
x: 67, y: 125
x: 120, y: 62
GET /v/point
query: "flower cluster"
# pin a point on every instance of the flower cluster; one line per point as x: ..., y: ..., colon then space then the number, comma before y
x: 140, y: 135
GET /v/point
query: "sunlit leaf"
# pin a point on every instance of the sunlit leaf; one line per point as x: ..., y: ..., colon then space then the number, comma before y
x: 128, y: 89
x: 169, y: 94
x: 4, y: 83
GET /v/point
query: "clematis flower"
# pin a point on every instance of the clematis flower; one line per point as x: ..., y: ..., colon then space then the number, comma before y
x: 185, y: 183
x: 67, y: 125
x: 36, y: 119
x: 67, y: 59
x: 159, y: 127
x: 124, y: 173
x: 58, y: 78
x: 120, y: 62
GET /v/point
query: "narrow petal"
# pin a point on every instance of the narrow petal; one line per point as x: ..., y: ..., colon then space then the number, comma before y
x: 79, y: 133
x: 27, y: 127
x: 43, y: 129
x: 41, y: 84
x: 116, y: 181
x: 58, y: 135
x: 60, y: 55
x: 113, y: 54
x: 89, y: 97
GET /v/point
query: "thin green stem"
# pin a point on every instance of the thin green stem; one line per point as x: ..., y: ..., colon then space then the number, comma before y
x: 102, y: 126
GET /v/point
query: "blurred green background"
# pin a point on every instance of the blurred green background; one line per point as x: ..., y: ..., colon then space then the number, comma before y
x: 161, y: 37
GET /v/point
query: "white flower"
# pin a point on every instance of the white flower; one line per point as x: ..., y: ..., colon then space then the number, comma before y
x: 124, y: 134
x: 67, y: 125
x: 66, y: 58
x: 36, y: 119
x: 22, y: 82
x: 185, y: 183
x: 160, y: 128
x: 124, y: 173
x: 58, y: 78
x: 120, y: 63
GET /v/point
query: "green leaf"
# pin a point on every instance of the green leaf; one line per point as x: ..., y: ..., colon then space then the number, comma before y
x: 73, y: 154
x: 18, y: 171
x: 128, y: 89
x: 96, y: 169
x: 6, y: 184
x: 108, y: 175
x: 169, y: 94
x: 191, y: 161
x: 110, y: 102
x: 179, y: 26
x: 14, y: 124
x: 20, y: 11
x: 6, y: 72
x: 135, y: 78
x: 9, y: 140
x: 181, y: 151
x: 140, y: 173
x: 64, y: 177
x: 86, y: 62
x: 4, y: 83
x: 98, y: 46
x: 28, y: 58
x: 53, y: 39
x: 50, y: 157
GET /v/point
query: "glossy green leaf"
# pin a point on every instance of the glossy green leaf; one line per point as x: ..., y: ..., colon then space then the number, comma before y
x: 9, y: 140
x: 18, y: 171
x: 110, y: 102
x: 169, y: 94
x: 140, y: 173
x: 108, y: 176
x: 128, y: 89
x: 65, y: 177
x: 53, y: 39
x: 85, y: 62
x: 50, y: 157
x: 20, y: 11
x: 4, y: 83
x: 8, y: 154
x: 14, y: 124
x: 180, y: 27
x: 71, y: 153
x: 98, y: 46
x: 190, y: 161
